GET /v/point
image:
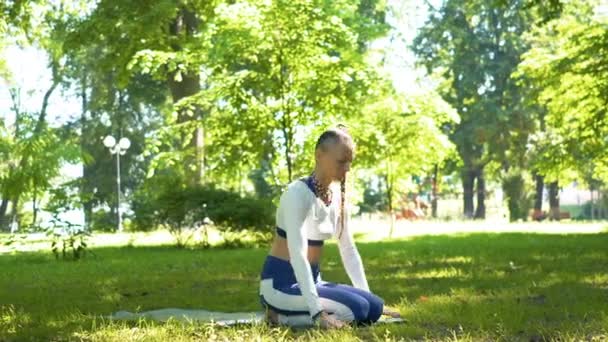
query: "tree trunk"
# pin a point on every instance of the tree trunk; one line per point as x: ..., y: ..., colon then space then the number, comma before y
x: 389, y: 195
x: 537, y: 213
x: 200, y: 153
x: 468, y: 178
x: 602, y: 204
x: 34, y: 209
x: 538, y: 197
x: 4, y: 222
x: 554, y: 201
x: 288, y: 159
x: 186, y: 24
x: 480, y: 212
x: 15, y: 210
x: 85, y: 188
x: 592, y: 203
x: 434, y: 192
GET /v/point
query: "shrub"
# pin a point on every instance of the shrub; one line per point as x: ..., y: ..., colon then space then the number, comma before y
x: 183, y: 210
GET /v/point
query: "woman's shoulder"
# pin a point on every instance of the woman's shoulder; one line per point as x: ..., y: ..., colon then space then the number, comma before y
x: 298, y: 187
x: 297, y: 191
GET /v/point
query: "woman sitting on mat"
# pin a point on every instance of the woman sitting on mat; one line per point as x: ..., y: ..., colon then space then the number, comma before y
x: 311, y: 211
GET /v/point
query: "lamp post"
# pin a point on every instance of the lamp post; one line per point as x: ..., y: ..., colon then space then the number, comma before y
x: 119, y: 149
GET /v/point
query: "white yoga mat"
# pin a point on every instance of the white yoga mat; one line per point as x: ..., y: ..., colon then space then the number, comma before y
x: 216, y: 317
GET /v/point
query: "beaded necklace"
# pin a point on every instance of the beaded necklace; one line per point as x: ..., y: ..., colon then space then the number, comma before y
x: 323, y: 192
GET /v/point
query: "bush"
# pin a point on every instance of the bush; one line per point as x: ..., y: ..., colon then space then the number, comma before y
x: 184, y: 209
x: 585, y: 211
x: 519, y: 198
x: 103, y: 220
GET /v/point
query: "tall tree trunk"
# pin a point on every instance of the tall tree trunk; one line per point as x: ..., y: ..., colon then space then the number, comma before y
x: 4, y: 222
x: 554, y: 201
x: 434, y: 192
x: 186, y: 24
x: 15, y: 210
x: 34, y: 208
x: 537, y: 214
x: 288, y: 136
x: 389, y: 196
x: 600, y: 204
x: 468, y: 178
x: 85, y: 188
x: 480, y: 212
x: 200, y: 153
x: 592, y: 203
x: 538, y: 197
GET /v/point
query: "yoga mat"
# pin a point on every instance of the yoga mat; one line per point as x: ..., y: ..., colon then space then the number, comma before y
x: 216, y: 317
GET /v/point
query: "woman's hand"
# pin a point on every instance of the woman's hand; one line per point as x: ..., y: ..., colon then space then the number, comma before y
x: 329, y: 322
x: 391, y: 312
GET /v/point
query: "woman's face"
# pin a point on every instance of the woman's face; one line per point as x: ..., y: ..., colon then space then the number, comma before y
x: 335, y: 160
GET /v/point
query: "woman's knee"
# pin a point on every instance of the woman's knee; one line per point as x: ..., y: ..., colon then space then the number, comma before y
x: 345, y: 305
x: 376, y: 307
x: 360, y: 308
x: 375, y: 303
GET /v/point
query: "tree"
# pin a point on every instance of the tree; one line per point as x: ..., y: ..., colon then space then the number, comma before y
x: 107, y: 109
x: 166, y: 31
x: 565, y: 69
x: 273, y: 70
x: 475, y: 46
x: 401, y: 137
x: 35, y: 154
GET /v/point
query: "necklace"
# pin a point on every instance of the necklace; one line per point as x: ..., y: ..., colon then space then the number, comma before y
x: 323, y: 192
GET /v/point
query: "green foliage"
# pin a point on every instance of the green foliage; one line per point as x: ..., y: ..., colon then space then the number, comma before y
x: 400, y: 137
x: 183, y: 210
x: 33, y: 155
x: 374, y: 197
x: 566, y: 68
x: 475, y: 46
x: 273, y: 70
x: 517, y: 189
x: 12, y: 241
x: 68, y: 241
x: 103, y: 220
x: 63, y: 198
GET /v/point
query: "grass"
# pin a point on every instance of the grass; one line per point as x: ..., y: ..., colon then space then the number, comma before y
x: 474, y: 286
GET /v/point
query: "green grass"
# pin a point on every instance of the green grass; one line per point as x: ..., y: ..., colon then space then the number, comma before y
x: 481, y: 286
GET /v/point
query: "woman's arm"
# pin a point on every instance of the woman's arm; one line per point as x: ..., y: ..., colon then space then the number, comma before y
x: 295, y: 206
x: 350, y: 255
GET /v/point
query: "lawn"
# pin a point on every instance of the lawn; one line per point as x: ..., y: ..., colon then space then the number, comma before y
x: 473, y: 286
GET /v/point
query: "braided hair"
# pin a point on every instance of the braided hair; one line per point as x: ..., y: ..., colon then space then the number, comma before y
x: 330, y: 137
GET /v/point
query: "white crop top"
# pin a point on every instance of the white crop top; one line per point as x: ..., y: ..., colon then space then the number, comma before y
x: 305, y: 217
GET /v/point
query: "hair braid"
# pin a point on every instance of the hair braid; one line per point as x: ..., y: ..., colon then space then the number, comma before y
x: 342, y: 201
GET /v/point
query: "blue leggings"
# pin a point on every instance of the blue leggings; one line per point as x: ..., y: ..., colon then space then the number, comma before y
x: 280, y: 291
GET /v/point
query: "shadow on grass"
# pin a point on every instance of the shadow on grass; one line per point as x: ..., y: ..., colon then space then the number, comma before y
x: 485, y: 285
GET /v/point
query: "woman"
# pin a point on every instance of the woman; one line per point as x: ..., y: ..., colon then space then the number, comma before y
x: 311, y: 210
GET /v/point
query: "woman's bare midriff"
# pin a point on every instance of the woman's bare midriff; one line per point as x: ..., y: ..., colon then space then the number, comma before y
x: 279, y: 249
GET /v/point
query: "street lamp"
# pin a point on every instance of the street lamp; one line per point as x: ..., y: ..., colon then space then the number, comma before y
x: 119, y: 149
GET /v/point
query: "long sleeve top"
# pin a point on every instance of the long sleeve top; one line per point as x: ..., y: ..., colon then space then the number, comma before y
x: 305, y: 217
